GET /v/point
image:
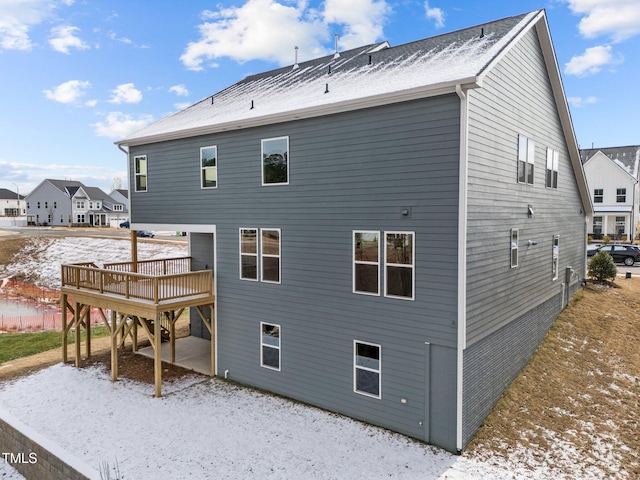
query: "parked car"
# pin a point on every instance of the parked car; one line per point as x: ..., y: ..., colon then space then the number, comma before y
x: 145, y: 233
x: 627, y: 254
x: 124, y: 224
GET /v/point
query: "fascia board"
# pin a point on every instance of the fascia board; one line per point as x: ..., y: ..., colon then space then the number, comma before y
x: 311, y: 112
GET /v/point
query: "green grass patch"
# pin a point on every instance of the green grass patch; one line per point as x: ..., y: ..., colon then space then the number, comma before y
x: 18, y: 345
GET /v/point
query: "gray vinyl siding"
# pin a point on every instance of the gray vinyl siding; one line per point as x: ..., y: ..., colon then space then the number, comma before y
x: 352, y: 171
x: 516, y: 98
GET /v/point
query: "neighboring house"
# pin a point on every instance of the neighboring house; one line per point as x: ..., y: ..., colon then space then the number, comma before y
x: 121, y: 196
x: 69, y: 202
x: 612, y: 176
x: 392, y: 230
x: 11, y: 204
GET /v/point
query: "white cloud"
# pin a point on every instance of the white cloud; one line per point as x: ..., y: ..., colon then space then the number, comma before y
x: 435, y: 14
x: 17, y: 18
x: 269, y: 30
x: 67, y: 92
x: 579, y: 102
x: 181, y: 106
x: 63, y: 38
x: 126, y: 93
x: 362, y: 20
x: 591, y: 61
x: 619, y: 19
x: 180, y: 90
x: 119, y: 125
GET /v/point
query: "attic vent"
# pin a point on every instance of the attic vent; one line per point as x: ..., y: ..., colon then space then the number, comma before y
x: 295, y: 65
x: 482, y: 32
x: 335, y: 36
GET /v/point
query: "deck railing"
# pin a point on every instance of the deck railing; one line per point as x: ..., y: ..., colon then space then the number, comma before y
x: 165, y: 266
x: 141, y: 286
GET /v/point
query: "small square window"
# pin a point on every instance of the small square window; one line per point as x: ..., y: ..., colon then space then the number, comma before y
x: 270, y: 346
x: 275, y: 161
x: 621, y: 195
x: 367, y: 369
x: 598, y: 195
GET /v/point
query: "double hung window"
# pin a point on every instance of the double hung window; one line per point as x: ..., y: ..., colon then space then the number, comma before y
x: 260, y: 252
x: 399, y: 261
x: 621, y: 195
x: 367, y: 369
x: 552, y: 168
x: 270, y: 345
x: 140, y: 170
x: 209, y: 167
x: 598, y: 195
x: 366, y: 262
x: 526, y: 159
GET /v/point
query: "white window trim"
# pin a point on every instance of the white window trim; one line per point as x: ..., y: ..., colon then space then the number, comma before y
x: 529, y: 159
x: 413, y: 265
x: 555, y: 256
x: 512, y: 247
x: 257, y: 254
x: 362, y: 262
x: 553, y: 160
x: 269, y: 255
x: 262, y: 160
x: 262, y: 345
x: 202, y: 169
x: 356, y: 367
x: 136, y: 174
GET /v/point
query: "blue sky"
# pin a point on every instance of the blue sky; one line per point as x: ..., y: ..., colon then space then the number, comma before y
x: 77, y: 75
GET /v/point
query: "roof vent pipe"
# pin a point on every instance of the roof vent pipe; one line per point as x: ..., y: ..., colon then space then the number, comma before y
x: 370, y: 62
x: 295, y: 65
x: 482, y: 32
x: 251, y: 105
x: 326, y: 88
x: 329, y: 72
x: 335, y: 36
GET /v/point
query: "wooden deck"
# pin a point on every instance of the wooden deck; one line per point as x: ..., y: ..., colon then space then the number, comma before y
x: 151, y: 294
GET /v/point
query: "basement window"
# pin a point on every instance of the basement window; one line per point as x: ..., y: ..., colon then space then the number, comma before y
x: 367, y: 371
x: 270, y: 346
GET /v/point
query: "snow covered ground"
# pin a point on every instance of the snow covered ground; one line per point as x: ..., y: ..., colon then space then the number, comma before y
x: 210, y: 429
x: 40, y: 261
x: 213, y: 429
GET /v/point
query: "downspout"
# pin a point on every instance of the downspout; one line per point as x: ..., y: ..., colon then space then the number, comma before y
x: 462, y: 258
x: 133, y: 233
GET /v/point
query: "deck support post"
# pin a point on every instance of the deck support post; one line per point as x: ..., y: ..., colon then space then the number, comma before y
x: 77, y: 319
x: 172, y: 335
x: 114, y: 346
x: 134, y: 251
x: 64, y: 328
x: 157, y: 356
x: 87, y: 327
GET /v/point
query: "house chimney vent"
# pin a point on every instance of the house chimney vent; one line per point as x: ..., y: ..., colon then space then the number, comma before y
x: 337, y: 54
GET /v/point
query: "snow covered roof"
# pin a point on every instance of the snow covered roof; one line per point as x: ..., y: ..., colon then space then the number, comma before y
x: 627, y: 158
x: 375, y: 74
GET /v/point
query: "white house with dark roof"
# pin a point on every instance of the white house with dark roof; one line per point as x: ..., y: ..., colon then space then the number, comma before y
x: 612, y: 175
x: 71, y: 203
x: 392, y: 230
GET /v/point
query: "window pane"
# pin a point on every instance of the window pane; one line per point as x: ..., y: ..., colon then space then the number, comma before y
x: 271, y: 334
x: 400, y: 281
x: 208, y: 156
x: 366, y: 278
x: 368, y: 382
x: 367, y: 355
x: 209, y: 177
x: 141, y: 182
x: 400, y: 248
x: 270, y: 242
x: 249, y: 266
x: 249, y: 241
x: 141, y: 165
x: 275, y: 159
x: 530, y: 173
x: 270, y: 357
x: 366, y: 246
x: 522, y: 169
x: 271, y: 269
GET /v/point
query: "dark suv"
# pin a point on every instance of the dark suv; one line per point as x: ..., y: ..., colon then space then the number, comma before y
x: 628, y: 254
